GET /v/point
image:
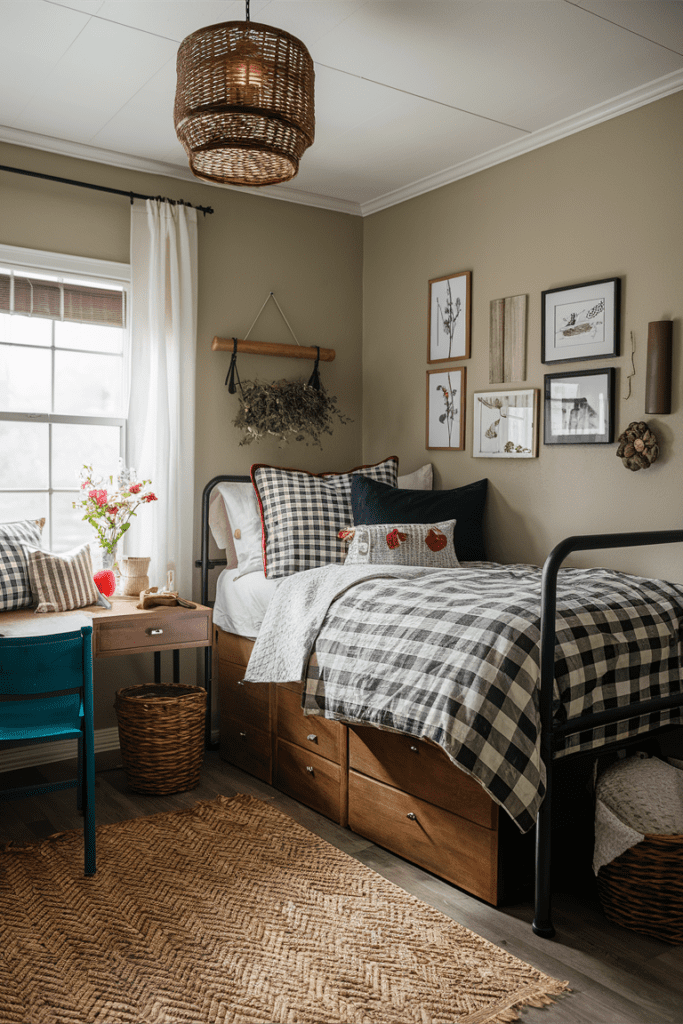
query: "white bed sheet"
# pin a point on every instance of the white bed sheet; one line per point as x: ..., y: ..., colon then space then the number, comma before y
x: 241, y: 603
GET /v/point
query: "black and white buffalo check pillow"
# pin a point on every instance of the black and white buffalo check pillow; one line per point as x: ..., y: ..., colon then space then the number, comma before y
x: 15, y: 587
x: 302, y: 514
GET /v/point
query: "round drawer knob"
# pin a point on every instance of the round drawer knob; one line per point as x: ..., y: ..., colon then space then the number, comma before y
x: 413, y: 748
x: 240, y: 682
x: 243, y: 735
x: 312, y: 738
x: 309, y: 769
x: 411, y: 816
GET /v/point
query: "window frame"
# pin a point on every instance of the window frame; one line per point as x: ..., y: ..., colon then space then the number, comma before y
x: 22, y: 260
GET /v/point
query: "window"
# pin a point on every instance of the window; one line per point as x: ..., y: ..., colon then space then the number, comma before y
x: 64, y: 357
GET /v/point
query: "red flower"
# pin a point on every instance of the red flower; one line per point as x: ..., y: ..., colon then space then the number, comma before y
x: 134, y: 488
x: 150, y: 497
x: 346, y: 534
x: 395, y: 538
x: 112, y: 510
x: 99, y: 496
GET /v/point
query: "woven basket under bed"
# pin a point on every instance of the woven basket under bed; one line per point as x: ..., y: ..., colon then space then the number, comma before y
x: 161, y: 732
x: 642, y: 889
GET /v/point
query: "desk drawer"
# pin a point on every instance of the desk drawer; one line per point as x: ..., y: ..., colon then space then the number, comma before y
x: 171, y: 631
x: 452, y: 847
x: 312, y: 732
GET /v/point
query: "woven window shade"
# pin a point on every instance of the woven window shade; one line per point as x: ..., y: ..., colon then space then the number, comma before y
x: 244, y: 106
x: 56, y: 301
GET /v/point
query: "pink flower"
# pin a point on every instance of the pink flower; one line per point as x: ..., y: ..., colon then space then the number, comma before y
x: 150, y: 497
x: 134, y: 488
x: 99, y: 496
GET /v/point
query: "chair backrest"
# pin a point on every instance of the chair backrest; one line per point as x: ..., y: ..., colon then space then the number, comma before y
x: 46, y: 681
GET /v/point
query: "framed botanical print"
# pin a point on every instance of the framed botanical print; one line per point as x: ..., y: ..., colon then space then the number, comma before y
x: 580, y: 322
x: 505, y: 424
x: 446, y: 409
x: 449, y: 317
x: 579, y: 407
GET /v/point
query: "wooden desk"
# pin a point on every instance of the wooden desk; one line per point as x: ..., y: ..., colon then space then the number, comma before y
x: 126, y: 629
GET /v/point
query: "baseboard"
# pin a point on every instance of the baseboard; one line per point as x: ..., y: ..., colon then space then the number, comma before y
x: 61, y: 750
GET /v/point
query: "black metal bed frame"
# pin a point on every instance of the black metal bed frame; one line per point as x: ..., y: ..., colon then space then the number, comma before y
x: 552, y: 733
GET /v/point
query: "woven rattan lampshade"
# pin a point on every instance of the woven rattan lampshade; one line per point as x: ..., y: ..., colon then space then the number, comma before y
x: 244, y: 103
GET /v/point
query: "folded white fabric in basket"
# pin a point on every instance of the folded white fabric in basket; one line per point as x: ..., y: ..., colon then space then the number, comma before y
x: 635, y: 797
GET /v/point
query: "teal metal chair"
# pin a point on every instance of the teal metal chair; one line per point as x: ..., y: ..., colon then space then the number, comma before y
x: 46, y: 693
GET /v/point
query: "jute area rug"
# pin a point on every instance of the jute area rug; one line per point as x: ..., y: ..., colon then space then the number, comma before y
x: 230, y: 911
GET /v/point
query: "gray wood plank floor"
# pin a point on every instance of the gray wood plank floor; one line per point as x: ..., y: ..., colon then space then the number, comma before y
x: 616, y: 976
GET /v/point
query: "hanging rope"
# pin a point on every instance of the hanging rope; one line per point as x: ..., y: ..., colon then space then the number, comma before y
x: 233, y: 371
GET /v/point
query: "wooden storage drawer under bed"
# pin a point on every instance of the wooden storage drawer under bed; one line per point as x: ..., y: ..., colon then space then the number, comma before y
x: 452, y: 847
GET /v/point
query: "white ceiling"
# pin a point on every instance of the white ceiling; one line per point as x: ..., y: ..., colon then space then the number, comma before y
x: 410, y: 94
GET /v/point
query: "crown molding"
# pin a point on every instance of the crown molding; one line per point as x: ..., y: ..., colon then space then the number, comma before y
x: 81, y: 151
x: 622, y: 104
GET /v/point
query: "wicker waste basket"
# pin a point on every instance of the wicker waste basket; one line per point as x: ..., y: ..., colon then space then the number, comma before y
x: 639, y: 817
x: 161, y: 732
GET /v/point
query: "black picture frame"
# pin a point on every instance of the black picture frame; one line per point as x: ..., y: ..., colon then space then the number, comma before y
x: 578, y: 407
x: 581, y: 321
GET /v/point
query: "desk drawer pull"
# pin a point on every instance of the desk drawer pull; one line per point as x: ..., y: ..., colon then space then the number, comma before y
x: 154, y: 632
x: 312, y: 738
x: 243, y: 735
x: 411, y: 816
x: 309, y: 769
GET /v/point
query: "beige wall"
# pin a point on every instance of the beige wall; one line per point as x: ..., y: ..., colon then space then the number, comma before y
x: 607, y: 202
x: 310, y: 258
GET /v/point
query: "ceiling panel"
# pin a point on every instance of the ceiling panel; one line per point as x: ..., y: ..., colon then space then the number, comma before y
x: 29, y: 49
x: 658, y: 20
x: 525, y: 64
x: 404, y: 142
x: 101, y: 70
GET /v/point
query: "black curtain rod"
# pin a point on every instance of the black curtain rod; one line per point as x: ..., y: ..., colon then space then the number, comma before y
x: 104, y: 188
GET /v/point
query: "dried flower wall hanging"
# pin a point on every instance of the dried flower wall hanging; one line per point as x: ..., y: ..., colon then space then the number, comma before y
x: 287, y: 409
x: 638, y: 447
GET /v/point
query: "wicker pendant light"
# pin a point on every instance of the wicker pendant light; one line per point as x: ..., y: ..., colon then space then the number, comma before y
x: 244, y: 103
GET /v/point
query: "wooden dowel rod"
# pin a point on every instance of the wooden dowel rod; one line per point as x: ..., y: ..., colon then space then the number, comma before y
x: 267, y: 348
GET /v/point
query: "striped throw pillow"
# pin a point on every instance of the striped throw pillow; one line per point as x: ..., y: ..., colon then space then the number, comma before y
x: 15, y: 588
x: 62, y: 582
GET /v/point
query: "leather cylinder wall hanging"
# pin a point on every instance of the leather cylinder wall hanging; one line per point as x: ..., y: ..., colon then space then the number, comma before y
x: 658, y: 374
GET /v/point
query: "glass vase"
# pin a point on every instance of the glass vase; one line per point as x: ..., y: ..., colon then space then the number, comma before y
x: 109, y: 561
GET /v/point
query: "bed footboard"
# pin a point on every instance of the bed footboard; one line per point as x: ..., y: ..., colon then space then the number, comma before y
x: 551, y: 733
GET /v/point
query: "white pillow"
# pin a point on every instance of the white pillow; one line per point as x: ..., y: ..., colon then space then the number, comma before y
x: 235, y: 522
x: 420, y: 480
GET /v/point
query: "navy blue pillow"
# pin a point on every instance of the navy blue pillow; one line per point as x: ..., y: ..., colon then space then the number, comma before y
x: 374, y: 502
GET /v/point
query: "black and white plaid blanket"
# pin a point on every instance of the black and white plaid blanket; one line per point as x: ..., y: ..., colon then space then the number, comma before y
x: 452, y: 655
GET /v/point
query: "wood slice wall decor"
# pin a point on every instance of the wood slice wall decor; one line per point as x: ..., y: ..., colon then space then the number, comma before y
x: 507, y: 340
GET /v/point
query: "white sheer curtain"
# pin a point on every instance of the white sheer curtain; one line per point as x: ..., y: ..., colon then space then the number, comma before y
x: 163, y: 257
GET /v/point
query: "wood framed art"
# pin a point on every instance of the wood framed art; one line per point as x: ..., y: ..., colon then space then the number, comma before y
x: 505, y: 424
x: 449, y: 317
x: 579, y: 407
x: 581, y: 322
x: 446, y: 409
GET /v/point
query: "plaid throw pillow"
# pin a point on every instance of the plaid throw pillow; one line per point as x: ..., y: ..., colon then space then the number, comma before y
x: 15, y: 587
x: 62, y: 582
x: 302, y: 514
x: 430, y: 545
